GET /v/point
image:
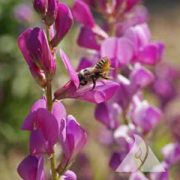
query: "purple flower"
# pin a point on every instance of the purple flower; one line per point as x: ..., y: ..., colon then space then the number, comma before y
x: 32, y: 168
x: 45, y: 127
x: 140, y: 35
x: 165, y: 83
x: 175, y: 126
x: 161, y: 175
x: 146, y: 52
x: 130, y: 4
x: 72, y: 140
x: 144, y: 115
x: 69, y: 175
x: 171, y: 153
x: 137, y: 16
x: 82, y: 13
x: 151, y: 54
x: 35, y: 49
x: 87, y: 39
x: 103, y: 91
x: 117, y: 158
x: 124, y: 94
x: 51, y: 12
x: 140, y: 77
x: 119, y: 50
x: 137, y: 176
x: 63, y: 23
x: 40, y: 6
x: 108, y: 114
x: 84, y: 63
x: 23, y: 13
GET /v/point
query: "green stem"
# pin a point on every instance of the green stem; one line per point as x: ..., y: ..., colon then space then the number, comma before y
x: 49, y: 106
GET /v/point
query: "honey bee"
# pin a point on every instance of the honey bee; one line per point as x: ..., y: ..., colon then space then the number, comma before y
x: 91, y: 74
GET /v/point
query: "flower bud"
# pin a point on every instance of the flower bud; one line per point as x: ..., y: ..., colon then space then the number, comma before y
x: 63, y: 23
x: 51, y: 12
x: 36, y: 51
x: 40, y: 6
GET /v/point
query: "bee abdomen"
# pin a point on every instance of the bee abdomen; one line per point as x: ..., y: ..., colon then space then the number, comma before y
x: 100, y: 64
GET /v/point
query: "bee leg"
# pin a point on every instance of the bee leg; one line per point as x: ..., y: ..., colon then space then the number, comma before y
x: 83, y: 82
x: 105, y: 77
x: 94, y: 82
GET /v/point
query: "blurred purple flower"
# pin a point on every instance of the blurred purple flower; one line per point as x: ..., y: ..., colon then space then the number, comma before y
x: 82, y: 13
x: 138, y: 15
x: 69, y: 175
x: 164, y: 85
x: 119, y: 50
x: 146, y: 52
x: 40, y: 6
x: 103, y: 91
x: 124, y: 93
x: 151, y: 54
x: 84, y: 63
x: 138, y: 176
x: 144, y: 115
x: 31, y: 168
x: 171, y: 153
x: 108, y: 114
x: 45, y: 127
x: 140, y: 77
x: 23, y: 13
x: 161, y: 175
x: 175, y: 127
x: 130, y: 4
x: 87, y: 39
x: 117, y: 158
x: 63, y: 23
x: 35, y: 49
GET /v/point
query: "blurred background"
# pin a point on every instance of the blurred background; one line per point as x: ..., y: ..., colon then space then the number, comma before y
x: 18, y: 90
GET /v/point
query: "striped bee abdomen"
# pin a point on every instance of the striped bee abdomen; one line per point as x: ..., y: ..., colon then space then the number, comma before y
x: 101, y: 64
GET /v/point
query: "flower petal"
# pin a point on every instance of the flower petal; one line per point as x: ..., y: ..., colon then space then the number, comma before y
x: 87, y: 39
x: 63, y: 23
x: 31, y: 168
x: 82, y: 13
x: 151, y: 54
x: 72, y: 73
x: 37, y: 143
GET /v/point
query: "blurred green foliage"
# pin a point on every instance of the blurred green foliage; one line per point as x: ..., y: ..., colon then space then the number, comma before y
x: 17, y: 88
